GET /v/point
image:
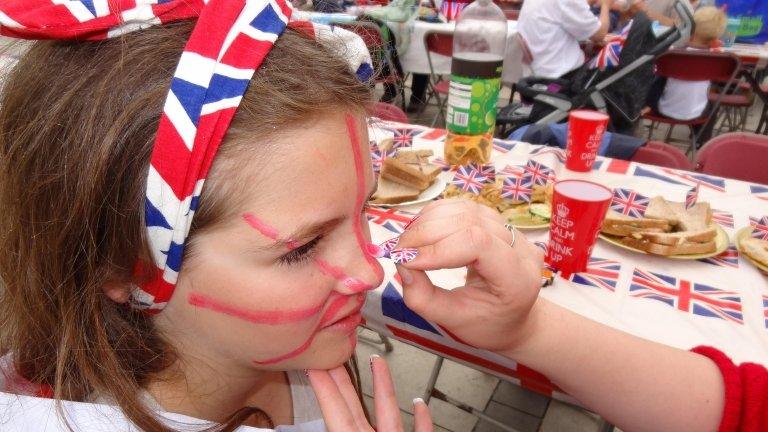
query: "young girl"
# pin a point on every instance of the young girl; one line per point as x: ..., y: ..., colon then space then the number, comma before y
x: 104, y: 149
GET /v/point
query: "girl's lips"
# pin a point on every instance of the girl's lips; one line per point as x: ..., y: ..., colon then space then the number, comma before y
x: 346, y: 324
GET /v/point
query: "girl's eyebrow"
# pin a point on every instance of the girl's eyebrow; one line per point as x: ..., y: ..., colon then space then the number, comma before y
x: 302, y: 234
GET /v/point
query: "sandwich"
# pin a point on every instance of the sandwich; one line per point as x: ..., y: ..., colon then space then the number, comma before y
x: 405, y: 176
x: 755, y: 249
x: 667, y: 228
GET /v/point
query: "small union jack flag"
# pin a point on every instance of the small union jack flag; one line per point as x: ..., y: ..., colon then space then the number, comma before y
x: 442, y: 163
x: 539, y: 173
x: 759, y: 227
x: 468, y: 179
x: 723, y: 218
x: 629, y: 202
x: 517, y: 188
x: 558, y: 153
x: 610, y: 55
x: 503, y: 146
x: 600, y: 273
x: 512, y: 170
x: 378, y: 155
x: 404, y: 255
x: 691, y: 197
x: 487, y: 171
x: 403, y: 137
x: 699, y: 299
x: 729, y: 258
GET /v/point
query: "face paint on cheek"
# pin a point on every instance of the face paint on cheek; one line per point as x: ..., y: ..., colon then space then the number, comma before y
x: 298, y: 351
x: 360, y: 197
x: 272, y: 317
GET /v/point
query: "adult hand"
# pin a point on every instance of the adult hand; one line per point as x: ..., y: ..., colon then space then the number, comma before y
x: 342, y: 410
x: 490, y: 311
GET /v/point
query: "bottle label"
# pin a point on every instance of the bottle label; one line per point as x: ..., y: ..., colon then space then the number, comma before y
x: 472, y: 97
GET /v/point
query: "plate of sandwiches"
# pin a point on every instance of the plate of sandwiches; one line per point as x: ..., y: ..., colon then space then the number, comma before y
x: 754, y: 250
x: 667, y: 229
x: 408, y: 178
x: 520, y: 214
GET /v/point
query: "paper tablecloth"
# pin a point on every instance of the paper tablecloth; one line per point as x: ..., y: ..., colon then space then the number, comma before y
x: 721, y: 301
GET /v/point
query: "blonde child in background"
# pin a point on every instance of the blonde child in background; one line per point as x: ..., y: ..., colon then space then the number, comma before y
x: 686, y: 100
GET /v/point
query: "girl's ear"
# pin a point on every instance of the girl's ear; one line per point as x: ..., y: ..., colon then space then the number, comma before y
x: 118, y: 292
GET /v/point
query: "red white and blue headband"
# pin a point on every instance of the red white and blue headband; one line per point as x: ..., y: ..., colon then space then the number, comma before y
x: 226, y: 47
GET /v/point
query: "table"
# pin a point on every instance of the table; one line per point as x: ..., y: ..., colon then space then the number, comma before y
x: 750, y: 53
x: 413, y: 53
x: 603, y: 292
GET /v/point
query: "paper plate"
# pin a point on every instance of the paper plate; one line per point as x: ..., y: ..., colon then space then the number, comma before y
x: 744, y: 233
x: 721, y: 244
x: 433, y: 191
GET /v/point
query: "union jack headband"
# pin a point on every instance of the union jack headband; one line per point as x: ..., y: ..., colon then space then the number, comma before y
x: 226, y: 47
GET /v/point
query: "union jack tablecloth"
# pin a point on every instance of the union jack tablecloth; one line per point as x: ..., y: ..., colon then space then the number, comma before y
x: 721, y: 301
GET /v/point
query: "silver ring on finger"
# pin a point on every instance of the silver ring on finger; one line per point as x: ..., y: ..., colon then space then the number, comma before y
x: 511, y: 229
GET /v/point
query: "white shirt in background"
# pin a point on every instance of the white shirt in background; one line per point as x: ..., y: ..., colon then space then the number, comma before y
x: 553, y: 29
x: 684, y: 100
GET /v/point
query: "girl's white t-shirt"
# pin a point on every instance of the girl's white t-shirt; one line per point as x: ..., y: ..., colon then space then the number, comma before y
x: 19, y: 413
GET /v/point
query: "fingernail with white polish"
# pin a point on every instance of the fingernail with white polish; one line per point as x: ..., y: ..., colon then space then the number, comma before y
x: 370, y: 360
x: 403, y: 255
x: 418, y: 401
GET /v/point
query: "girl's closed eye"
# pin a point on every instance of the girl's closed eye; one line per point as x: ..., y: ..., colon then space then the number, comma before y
x: 300, y: 254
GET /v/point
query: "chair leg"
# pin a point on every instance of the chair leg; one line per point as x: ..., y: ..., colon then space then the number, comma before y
x: 669, y: 133
x: 432, y: 379
x: 762, y: 127
x: 383, y: 340
x: 650, y: 130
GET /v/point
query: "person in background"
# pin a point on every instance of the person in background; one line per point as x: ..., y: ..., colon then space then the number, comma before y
x: 686, y: 100
x: 552, y: 30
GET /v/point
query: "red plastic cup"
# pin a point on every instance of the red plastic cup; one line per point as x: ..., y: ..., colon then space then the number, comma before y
x: 578, y: 209
x: 585, y: 132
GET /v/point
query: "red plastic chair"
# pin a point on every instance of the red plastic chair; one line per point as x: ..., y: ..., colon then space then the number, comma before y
x: 442, y: 44
x: 741, y: 156
x: 688, y: 65
x: 387, y: 111
x: 661, y: 154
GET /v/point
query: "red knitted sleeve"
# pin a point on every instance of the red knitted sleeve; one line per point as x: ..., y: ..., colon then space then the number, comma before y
x: 746, y: 393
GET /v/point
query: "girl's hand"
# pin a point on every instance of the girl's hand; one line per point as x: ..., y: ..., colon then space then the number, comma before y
x: 491, y: 310
x: 342, y: 410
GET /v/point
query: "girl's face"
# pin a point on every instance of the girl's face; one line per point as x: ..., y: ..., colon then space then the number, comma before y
x: 280, y: 285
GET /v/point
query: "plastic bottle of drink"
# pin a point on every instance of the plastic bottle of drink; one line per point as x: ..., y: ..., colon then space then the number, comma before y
x: 479, y: 44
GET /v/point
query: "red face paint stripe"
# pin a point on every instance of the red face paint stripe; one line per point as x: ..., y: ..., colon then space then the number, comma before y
x: 256, y: 223
x: 337, y: 273
x: 259, y: 317
x: 291, y: 354
x: 360, y: 198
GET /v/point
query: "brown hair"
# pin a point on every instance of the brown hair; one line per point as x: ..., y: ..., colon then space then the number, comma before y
x: 77, y: 124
